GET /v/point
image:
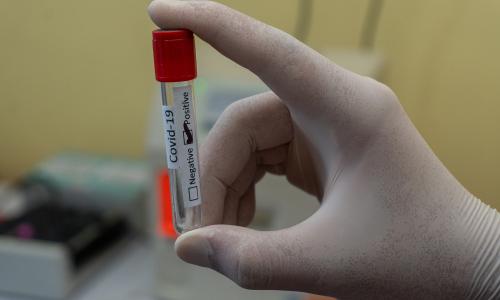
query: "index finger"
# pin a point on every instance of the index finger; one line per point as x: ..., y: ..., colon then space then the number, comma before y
x: 266, y: 51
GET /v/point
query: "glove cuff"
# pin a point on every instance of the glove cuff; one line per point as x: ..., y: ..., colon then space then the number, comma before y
x: 483, y: 223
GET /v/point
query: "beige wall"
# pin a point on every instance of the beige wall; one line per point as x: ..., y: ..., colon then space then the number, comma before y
x: 445, y: 66
x: 73, y: 75
x: 90, y: 76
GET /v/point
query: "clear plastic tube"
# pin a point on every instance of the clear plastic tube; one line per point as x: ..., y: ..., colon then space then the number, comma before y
x: 181, y: 147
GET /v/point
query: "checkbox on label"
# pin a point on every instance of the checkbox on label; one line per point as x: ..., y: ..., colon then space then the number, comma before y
x: 193, y: 193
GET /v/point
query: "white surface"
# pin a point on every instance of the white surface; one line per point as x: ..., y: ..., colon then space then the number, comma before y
x: 127, y: 276
x: 130, y: 276
x: 44, y: 265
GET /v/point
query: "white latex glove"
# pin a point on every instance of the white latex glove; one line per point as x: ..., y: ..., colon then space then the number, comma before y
x: 393, y: 222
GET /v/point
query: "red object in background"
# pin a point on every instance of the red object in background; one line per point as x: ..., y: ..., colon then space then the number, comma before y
x: 174, y: 55
x: 165, y: 217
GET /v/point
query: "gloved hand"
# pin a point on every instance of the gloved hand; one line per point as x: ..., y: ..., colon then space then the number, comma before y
x: 393, y: 222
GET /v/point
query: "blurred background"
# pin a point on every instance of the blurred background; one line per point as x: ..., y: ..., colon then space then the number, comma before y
x: 77, y: 92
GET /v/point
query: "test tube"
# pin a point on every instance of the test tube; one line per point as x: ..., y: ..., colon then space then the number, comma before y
x: 175, y: 69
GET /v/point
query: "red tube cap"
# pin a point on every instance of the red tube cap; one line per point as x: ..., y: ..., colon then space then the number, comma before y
x: 174, y: 55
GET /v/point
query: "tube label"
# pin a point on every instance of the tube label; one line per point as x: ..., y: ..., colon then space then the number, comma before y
x: 170, y: 138
x: 189, y: 166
